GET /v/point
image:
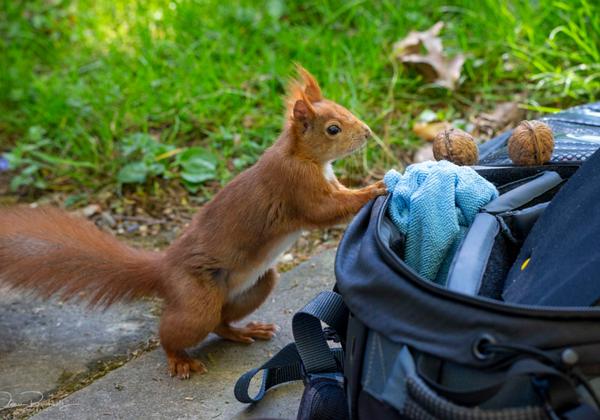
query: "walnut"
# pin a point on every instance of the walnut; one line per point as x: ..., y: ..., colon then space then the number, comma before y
x: 531, y: 143
x: 457, y: 146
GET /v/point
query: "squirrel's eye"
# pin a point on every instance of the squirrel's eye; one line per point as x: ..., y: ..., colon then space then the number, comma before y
x: 332, y: 130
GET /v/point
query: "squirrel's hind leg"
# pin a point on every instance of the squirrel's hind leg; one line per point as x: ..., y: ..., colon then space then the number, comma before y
x: 189, y: 316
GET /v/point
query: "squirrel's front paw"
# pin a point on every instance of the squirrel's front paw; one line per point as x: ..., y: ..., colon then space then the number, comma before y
x: 378, y: 188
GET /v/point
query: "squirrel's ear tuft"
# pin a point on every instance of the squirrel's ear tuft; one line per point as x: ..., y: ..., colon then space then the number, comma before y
x: 302, y: 94
x: 298, y: 104
x: 302, y: 111
x: 311, y: 87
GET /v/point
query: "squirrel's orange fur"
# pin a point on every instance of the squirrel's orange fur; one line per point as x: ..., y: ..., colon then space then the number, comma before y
x: 223, y: 266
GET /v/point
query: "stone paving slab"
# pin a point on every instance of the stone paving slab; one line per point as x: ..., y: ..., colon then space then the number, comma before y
x: 45, y: 344
x: 142, y: 388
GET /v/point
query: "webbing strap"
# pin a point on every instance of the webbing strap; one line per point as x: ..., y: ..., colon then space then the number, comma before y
x: 285, y: 366
x: 330, y: 308
x: 290, y: 363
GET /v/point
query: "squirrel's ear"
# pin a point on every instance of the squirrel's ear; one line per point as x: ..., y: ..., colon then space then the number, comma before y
x: 302, y: 111
x: 311, y: 87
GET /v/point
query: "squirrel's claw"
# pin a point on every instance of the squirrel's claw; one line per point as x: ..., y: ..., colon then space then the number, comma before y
x: 181, y: 365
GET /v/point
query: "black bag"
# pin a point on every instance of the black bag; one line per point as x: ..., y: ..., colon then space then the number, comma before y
x: 483, y: 346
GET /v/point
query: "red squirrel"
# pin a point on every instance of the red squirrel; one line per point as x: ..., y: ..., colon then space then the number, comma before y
x: 222, y: 267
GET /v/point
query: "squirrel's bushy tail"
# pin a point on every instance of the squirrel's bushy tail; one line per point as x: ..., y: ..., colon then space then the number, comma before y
x: 52, y: 252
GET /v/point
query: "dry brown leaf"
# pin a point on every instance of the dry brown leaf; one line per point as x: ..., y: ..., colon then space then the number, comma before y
x: 434, y: 64
x: 427, y: 131
x: 506, y: 115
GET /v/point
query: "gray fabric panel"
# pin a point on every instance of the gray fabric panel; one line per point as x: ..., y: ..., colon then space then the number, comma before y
x: 485, y: 274
x: 523, y: 220
x: 385, y: 369
x: 471, y: 258
x: 380, y: 357
x: 522, y: 195
x: 394, y: 392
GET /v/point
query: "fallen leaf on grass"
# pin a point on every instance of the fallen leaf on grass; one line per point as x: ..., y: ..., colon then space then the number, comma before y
x: 505, y: 115
x: 427, y: 131
x: 432, y: 63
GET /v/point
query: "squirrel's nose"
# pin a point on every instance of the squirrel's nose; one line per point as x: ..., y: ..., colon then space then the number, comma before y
x: 368, y: 132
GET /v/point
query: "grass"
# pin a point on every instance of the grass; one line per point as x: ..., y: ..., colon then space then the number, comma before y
x: 84, y: 83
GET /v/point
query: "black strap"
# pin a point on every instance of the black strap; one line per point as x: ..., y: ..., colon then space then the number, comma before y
x: 310, y: 355
x: 330, y: 308
x: 285, y: 366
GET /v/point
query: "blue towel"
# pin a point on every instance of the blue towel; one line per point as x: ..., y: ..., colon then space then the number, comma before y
x: 433, y: 204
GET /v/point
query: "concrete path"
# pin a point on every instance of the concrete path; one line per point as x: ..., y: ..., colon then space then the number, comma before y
x: 47, y: 345
x: 142, y: 388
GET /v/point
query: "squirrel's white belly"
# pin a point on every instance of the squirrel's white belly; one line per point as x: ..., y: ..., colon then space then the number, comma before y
x: 246, y: 279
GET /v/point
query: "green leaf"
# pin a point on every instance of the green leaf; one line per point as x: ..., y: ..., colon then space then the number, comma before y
x: 196, y: 177
x: 193, y: 188
x: 30, y: 170
x: 40, y: 184
x: 139, y: 142
x: 20, y: 180
x: 54, y: 160
x: 132, y: 173
x: 73, y: 199
x: 197, y: 165
x: 155, y: 168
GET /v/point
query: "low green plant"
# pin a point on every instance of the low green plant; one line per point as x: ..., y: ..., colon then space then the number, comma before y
x: 141, y: 158
x: 33, y: 164
x: 146, y: 157
x: 198, y: 84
